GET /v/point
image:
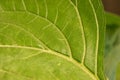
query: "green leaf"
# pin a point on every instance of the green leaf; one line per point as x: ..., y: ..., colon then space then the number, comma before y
x: 112, y: 51
x: 51, y: 40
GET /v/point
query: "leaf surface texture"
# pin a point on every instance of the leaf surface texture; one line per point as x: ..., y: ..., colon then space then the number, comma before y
x: 51, y: 40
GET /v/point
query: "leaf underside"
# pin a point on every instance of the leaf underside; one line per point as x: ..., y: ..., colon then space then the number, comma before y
x: 51, y: 40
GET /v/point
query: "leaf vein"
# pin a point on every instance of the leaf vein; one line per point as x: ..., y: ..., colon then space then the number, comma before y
x: 31, y: 34
x: 81, y: 66
x: 82, y: 30
x: 16, y: 74
x: 97, y: 42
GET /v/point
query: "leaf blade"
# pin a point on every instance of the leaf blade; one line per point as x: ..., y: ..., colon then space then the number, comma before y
x: 54, y: 29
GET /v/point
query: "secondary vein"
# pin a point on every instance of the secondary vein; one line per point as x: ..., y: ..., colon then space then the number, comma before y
x: 81, y: 66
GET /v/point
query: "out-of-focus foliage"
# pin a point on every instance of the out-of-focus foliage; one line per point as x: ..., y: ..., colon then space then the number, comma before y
x: 112, y: 51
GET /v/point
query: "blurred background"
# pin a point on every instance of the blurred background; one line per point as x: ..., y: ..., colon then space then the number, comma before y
x: 113, y: 6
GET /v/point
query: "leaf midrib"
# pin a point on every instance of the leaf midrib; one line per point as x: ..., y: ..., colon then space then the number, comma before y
x: 81, y: 66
